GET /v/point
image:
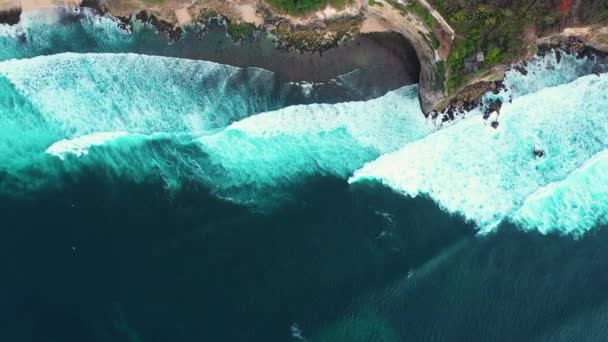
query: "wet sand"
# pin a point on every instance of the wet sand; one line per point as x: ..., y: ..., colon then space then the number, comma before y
x: 390, y: 54
x: 386, y: 59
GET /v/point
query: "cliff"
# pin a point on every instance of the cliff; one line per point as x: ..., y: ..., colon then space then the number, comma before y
x: 463, y: 46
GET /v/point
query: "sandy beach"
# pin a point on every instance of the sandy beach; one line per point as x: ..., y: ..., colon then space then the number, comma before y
x: 390, y: 55
x: 28, y: 5
x: 7, y: 5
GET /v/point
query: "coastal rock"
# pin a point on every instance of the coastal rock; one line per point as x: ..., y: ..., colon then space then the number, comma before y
x: 10, y: 17
x: 174, y: 32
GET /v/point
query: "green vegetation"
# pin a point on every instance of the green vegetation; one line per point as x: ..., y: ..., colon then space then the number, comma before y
x: 434, y: 41
x: 300, y: 7
x: 494, y: 29
x: 416, y: 9
x: 398, y: 6
x: 440, y: 80
x: 375, y: 3
x: 430, y: 39
x: 236, y: 30
x: 593, y: 11
x: 240, y: 30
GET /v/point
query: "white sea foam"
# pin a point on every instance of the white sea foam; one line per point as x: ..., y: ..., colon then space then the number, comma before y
x: 87, y: 93
x: 548, y: 71
x: 570, y: 206
x: 485, y: 174
x: 68, y: 103
x: 279, y: 147
x: 64, y: 104
x: 80, y: 146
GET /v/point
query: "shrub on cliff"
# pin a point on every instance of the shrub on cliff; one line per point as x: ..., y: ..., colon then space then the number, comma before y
x: 497, y: 27
x: 300, y: 7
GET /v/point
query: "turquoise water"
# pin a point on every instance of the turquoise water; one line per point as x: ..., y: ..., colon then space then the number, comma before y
x: 150, y: 197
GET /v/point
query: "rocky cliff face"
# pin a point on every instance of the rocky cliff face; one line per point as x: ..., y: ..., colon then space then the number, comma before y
x: 458, y: 42
x: 432, y: 40
x: 416, y: 20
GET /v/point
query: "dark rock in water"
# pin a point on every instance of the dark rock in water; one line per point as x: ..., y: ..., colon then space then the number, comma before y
x: 10, y: 17
x: 597, y: 70
x: 575, y: 46
x: 538, y: 153
x: 500, y: 85
x: 494, y: 124
x: 171, y: 30
x: 521, y: 69
x: 470, y: 98
x: 124, y: 23
x: 493, y: 106
x: 558, y: 56
x: 71, y: 17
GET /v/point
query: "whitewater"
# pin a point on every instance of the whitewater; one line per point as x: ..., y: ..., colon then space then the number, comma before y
x: 532, y: 169
x: 234, y: 131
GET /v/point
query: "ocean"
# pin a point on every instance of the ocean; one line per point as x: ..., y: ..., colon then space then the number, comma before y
x: 148, y: 195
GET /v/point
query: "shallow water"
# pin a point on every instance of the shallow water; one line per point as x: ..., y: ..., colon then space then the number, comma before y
x: 150, y: 197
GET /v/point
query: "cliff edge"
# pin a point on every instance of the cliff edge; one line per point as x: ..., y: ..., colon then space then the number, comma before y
x: 463, y: 46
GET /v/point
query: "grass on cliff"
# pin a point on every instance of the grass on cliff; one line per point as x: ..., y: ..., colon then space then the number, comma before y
x: 239, y: 31
x: 302, y: 7
x: 415, y: 8
x: 498, y: 29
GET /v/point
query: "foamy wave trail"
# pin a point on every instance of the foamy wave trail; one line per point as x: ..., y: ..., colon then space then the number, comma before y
x: 138, y: 116
x: 570, y: 206
x: 86, y: 93
x: 80, y: 146
x: 254, y: 161
x: 64, y: 102
x: 23, y: 128
x: 485, y: 174
x: 275, y: 149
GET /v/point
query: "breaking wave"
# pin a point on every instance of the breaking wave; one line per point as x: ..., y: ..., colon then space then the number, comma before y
x: 573, y: 205
x: 237, y: 132
x: 486, y: 174
x: 45, y: 100
x: 277, y: 148
x: 94, y: 110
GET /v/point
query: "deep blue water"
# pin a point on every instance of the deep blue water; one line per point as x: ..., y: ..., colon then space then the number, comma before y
x: 149, y: 196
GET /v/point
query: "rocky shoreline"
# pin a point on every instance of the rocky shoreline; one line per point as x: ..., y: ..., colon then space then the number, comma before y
x: 10, y: 16
x: 470, y: 97
x: 323, y: 32
x: 319, y: 33
x: 378, y: 62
